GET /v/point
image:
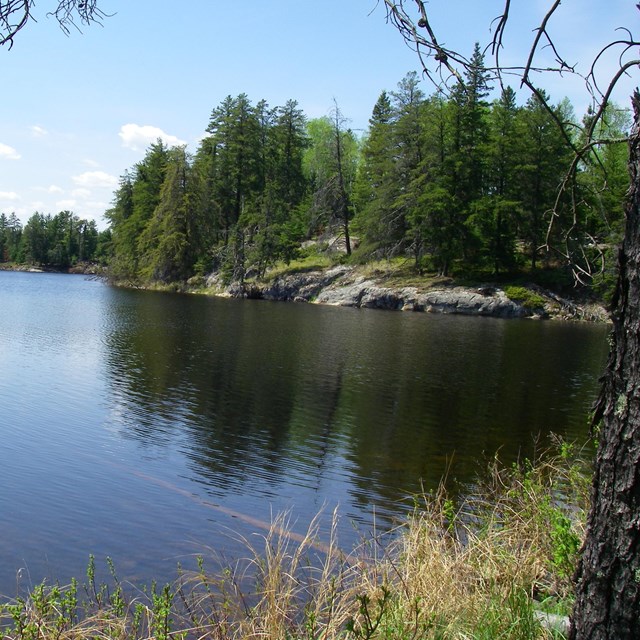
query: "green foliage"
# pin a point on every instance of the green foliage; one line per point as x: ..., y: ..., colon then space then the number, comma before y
x: 370, y: 614
x: 134, y: 204
x: 331, y: 163
x: 544, y: 158
x: 161, y: 602
x: 58, y: 241
x: 235, y: 206
x: 10, y: 238
x: 454, y: 184
x: 510, y: 618
x: 565, y: 542
x: 524, y: 296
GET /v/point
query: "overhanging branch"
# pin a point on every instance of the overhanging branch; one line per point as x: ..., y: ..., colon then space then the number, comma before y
x: 16, y: 14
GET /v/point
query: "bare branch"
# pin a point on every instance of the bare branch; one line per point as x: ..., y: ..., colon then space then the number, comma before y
x: 606, y: 97
x: 502, y: 20
x: 425, y: 46
x: 15, y: 15
x: 87, y: 11
x: 540, y: 31
x: 627, y: 46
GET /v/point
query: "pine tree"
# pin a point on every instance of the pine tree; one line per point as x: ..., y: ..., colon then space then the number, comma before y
x: 282, y: 187
x: 10, y: 238
x: 123, y: 234
x: 472, y: 141
x: 168, y: 246
x: 544, y: 158
x: 496, y: 214
x: 34, y: 239
x: 409, y: 214
x: 377, y: 187
x: 435, y: 222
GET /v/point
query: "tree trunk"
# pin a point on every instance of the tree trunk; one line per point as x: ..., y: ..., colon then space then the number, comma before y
x: 608, y: 576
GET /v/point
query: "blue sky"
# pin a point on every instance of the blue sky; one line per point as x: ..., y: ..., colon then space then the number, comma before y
x: 78, y: 111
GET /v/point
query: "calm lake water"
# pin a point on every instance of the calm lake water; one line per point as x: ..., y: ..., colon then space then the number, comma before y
x: 152, y: 427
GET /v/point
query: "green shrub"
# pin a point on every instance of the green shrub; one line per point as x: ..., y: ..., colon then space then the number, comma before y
x: 525, y: 297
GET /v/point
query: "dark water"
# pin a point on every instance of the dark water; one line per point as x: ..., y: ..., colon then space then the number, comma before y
x: 150, y: 427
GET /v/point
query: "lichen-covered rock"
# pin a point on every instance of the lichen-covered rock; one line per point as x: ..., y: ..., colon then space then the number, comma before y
x: 365, y: 293
x: 471, y: 302
x: 301, y: 286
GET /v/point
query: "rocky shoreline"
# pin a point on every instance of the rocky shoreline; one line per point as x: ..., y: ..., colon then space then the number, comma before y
x: 83, y: 268
x: 344, y: 286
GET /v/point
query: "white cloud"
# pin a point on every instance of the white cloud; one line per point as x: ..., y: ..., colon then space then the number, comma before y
x: 91, y: 179
x: 9, y: 195
x: 138, y: 137
x: 91, y: 163
x: 38, y: 131
x: 8, y: 152
x: 54, y: 188
x: 65, y: 205
x: 81, y: 193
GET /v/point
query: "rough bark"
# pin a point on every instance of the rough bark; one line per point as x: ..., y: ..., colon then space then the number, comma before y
x: 608, y: 577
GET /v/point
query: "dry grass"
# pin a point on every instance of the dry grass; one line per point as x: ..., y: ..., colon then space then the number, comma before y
x: 476, y: 568
x: 510, y: 547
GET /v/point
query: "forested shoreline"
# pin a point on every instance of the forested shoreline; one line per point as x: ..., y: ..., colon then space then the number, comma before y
x: 451, y: 184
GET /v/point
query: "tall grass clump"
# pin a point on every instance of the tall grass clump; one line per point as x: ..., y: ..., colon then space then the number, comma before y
x: 491, y: 564
x: 494, y: 563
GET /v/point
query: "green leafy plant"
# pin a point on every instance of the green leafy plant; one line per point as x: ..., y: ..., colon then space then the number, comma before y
x: 524, y: 296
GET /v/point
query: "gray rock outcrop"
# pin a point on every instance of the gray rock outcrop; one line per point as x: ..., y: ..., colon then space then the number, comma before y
x: 339, y: 286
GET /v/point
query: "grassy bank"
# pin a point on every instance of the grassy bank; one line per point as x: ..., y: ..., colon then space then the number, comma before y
x: 496, y: 564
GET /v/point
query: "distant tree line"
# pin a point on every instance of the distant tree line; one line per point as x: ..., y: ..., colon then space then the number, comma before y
x: 451, y: 183
x: 58, y: 241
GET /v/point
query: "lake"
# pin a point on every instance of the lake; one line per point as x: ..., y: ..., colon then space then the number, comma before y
x: 153, y: 427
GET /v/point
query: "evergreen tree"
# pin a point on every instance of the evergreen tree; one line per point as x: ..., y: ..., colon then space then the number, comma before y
x: 409, y: 214
x: 472, y: 142
x: 291, y: 141
x: 124, y: 230
x: 377, y: 187
x: 233, y: 156
x: 87, y: 239
x: 148, y: 179
x: 168, y: 246
x: 10, y: 238
x: 276, y: 230
x: 231, y: 162
x: 434, y: 222
x: 495, y: 218
x: 544, y: 158
x: 34, y: 239
x: 134, y: 204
